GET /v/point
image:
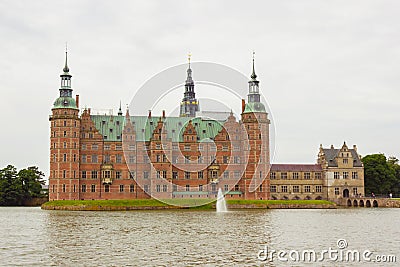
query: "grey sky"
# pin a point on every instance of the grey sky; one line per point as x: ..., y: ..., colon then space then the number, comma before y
x: 329, y: 69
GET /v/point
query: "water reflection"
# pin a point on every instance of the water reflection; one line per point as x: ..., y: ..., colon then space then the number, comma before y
x: 186, y: 238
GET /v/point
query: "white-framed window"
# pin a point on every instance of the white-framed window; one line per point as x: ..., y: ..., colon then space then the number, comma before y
x: 187, y: 175
x: 336, y: 175
x: 118, y: 158
x: 307, y: 188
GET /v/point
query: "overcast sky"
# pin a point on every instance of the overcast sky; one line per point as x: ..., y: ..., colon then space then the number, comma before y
x: 328, y: 69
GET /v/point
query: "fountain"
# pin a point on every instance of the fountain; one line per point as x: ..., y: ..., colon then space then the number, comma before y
x: 221, y: 203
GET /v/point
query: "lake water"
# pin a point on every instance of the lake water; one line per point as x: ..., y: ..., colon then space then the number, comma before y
x: 35, y: 237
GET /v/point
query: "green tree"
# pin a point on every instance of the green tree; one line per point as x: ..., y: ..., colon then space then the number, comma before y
x: 32, y: 181
x: 10, y: 187
x: 18, y: 186
x: 379, y: 175
x: 393, y: 163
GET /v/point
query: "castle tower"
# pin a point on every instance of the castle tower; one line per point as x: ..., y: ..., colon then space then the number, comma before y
x: 189, y: 104
x: 64, y: 138
x: 256, y: 122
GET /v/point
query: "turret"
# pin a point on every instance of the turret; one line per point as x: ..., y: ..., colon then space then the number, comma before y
x: 256, y: 122
x: 64, y: 138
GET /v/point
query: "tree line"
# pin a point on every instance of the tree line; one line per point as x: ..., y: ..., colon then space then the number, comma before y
x: 381, y: 175
x: 19, y: 186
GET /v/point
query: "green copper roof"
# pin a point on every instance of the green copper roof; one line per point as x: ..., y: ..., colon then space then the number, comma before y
x: 252, y: 107
x: 112, y: 126
x: 65, y: 102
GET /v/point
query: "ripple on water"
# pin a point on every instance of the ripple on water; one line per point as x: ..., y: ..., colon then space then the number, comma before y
x: 184, y: 238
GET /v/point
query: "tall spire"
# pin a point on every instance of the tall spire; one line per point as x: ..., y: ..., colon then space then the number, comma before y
x: 189, y: 79
x: 254, y: 98
x: 65, y: 100
x: 253, y: 75
x: 66, y: 89
x: 66, y: 69
x: 189, y: 104
x: 254, y: 93
x: 120, y: 109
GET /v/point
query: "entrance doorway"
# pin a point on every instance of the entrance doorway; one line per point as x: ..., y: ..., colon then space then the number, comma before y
x: 346, y: 193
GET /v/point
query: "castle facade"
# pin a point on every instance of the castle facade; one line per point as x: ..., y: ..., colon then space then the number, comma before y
x: 136, y: 157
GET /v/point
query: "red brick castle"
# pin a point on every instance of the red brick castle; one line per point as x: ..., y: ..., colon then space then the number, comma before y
x: 135, y: 157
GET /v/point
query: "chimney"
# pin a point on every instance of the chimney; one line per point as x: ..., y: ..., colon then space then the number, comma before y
x: 332, y: 147
x: 355, y: 148
x: 149, y: 113
x: 243, y: 105
x: 89, y: 111
x: 163, y: 114
x: 77, y: 101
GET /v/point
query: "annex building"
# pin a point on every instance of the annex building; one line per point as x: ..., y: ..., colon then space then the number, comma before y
x: 125, y: 156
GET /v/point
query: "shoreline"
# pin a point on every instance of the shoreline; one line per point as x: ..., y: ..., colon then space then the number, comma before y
x: 190, y: 204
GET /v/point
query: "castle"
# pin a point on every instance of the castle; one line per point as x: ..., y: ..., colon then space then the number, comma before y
x: 136, y: 157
